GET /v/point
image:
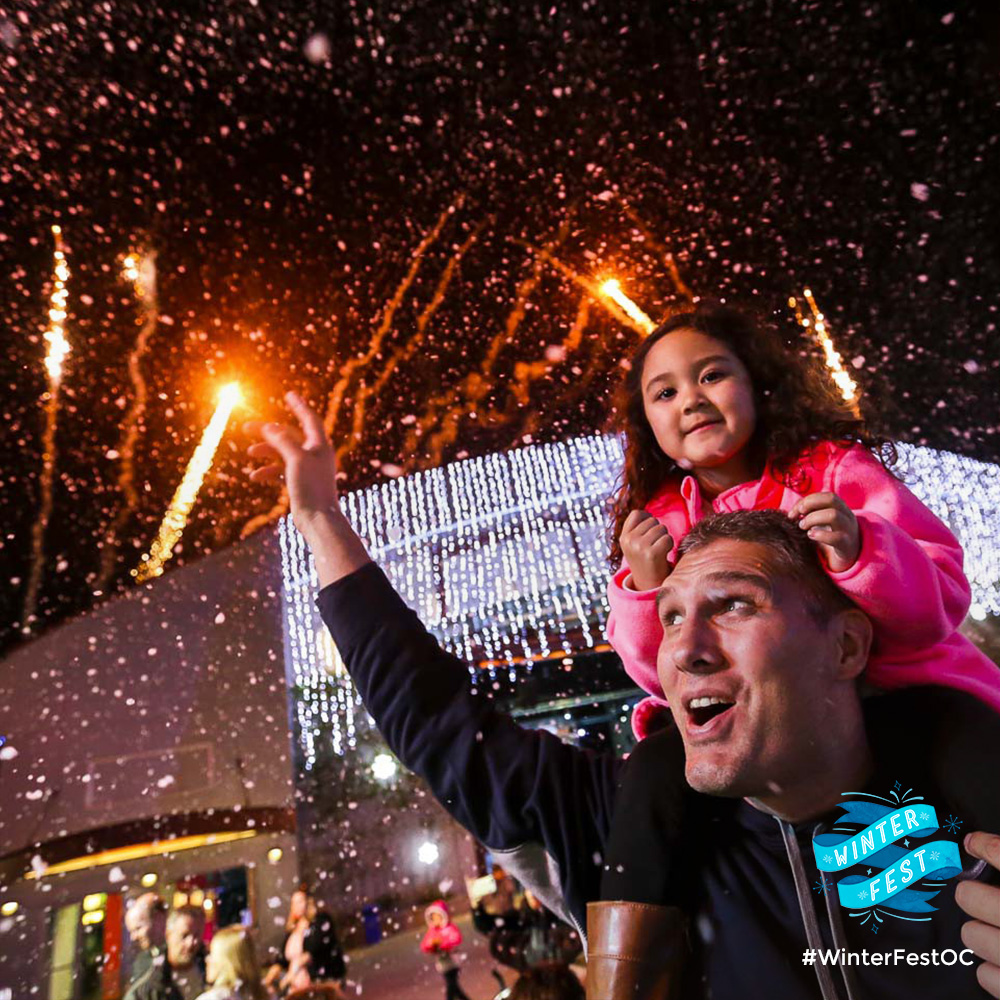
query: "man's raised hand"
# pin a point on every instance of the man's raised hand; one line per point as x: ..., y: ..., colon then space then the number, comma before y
x: 303, y: 456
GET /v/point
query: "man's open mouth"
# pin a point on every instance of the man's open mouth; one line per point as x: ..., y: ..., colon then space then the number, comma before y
x: 704, y: 710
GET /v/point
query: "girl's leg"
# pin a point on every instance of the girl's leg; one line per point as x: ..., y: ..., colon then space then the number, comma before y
x: 454, y: 991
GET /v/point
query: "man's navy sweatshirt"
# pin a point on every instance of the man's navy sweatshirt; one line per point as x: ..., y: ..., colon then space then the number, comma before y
x: 579, y: 826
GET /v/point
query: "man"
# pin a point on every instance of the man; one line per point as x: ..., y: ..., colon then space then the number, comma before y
x: 760, y: 660
x: 145, y: 921
x: 179, y: 974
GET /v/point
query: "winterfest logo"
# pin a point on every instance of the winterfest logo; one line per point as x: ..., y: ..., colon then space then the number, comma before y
x: 896, y: 864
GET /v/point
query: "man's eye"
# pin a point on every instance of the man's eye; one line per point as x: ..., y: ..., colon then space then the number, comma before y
x: 671, y: 618
x: 737, y: 604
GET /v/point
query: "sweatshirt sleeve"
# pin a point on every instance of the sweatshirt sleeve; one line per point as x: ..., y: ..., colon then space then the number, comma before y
x: 908, y: 575
x: 634, y: 630
x: 506, y: 785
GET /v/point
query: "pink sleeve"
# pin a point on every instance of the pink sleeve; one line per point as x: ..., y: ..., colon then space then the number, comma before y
x: 427, y: 945
x: 634, y: 630
x: 908, y: 576
x: 451, y: 937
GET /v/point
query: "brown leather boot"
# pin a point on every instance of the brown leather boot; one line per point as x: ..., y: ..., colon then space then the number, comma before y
x: 635, y: 951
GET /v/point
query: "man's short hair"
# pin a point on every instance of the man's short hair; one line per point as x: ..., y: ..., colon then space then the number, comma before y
x: 144, y: 907
x: 182, y: 912
x: 795, y: 554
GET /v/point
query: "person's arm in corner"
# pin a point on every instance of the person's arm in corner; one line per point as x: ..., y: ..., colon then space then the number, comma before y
x: 506, y: 785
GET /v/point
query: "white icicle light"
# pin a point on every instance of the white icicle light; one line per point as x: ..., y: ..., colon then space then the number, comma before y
x: 504, y: 558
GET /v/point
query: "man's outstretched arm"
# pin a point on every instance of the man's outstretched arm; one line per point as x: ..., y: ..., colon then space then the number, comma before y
x: 512, y: 789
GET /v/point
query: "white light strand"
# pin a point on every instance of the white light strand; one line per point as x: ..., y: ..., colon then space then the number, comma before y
x: 504, y: 558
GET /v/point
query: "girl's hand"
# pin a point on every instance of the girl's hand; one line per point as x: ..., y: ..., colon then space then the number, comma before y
x: 303, y: 456
x: 831, y: 524
x: 646, y: 544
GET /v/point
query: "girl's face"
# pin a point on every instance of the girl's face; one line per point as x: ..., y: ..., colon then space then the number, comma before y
x: 435, y: 919
x: 698, y: 400
x: 297, y: 905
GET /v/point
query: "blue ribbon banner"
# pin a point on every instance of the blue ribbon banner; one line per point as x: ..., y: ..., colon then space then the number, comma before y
x: 835, y: 852
x: 938, y: 859
x: 876, y: 847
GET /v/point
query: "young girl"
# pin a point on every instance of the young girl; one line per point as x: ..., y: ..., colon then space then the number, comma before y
x: 232, y: 967
x: 718, y: 416
x: 441, y: 939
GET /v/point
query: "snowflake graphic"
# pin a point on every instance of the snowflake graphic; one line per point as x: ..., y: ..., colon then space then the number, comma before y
x: 863, y: 894
x: 952, y: 823
x: 822, y: 886
x: 924, y: 815
x: 935, y: 855
x: 827, y: 858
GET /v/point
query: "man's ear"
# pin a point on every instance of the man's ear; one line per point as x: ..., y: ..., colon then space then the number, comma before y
x: 854, y: 643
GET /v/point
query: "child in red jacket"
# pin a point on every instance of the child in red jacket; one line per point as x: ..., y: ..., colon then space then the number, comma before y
x: 719, y: 416
x: 441, y: 939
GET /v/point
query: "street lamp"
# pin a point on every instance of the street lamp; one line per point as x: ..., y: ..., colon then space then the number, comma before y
x: 384, y: 767
x: 428, y: 852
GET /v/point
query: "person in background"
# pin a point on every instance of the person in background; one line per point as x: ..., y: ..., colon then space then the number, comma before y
x: 441, y: 939
x: 311, y: 953
x: 547, y: 939
x: 547, y: 982
x: 146, y: 923
x: 179, y: 974
x: 232, y: 967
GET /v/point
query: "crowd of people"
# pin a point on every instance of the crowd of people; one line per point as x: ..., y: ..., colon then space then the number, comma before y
x: 171, y: 960
x: 792, y: 611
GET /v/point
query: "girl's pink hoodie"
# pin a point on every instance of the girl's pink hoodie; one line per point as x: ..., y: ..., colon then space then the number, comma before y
x: 444, y: 938
x: 908, y: 576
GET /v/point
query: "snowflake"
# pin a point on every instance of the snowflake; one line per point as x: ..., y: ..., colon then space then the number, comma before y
x: 822, y: 886
x: 827, y: 859
x: 863, y: 894
x: 924, y: 815
x: 952, y: 823
x: 935, y: 855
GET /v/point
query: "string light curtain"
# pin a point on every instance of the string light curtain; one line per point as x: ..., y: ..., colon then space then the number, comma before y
x: 504, y: 558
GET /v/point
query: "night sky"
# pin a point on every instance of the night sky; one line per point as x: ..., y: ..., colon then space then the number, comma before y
x: 285, y: 160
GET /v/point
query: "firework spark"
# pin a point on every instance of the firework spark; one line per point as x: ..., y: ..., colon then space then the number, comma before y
x: 337, y: 394
x: 613, y: 290
x: 683, y: 289
x: 140, y: 270
x: 375, y: 344
x: 177, y: 514
x: 406, y: 350
x: 527, y: 372
x: 58, y: 349
x: 592, y: 288
x: 817, y: 324
x: 477, y: 384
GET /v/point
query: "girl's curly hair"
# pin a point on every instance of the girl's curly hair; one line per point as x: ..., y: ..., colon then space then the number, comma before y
x: 796, y: 403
